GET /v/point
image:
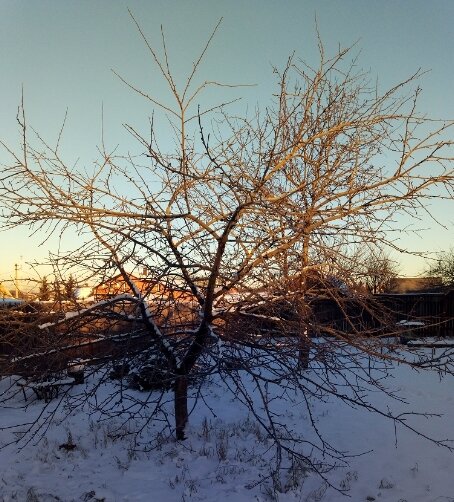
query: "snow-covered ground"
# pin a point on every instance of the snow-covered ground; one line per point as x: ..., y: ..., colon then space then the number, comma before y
x: 226, y: 453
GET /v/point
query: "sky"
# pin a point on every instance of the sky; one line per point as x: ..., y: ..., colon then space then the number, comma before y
x: 62, y: 54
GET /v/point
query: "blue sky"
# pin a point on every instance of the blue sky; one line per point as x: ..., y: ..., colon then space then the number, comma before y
x: 62, y: 53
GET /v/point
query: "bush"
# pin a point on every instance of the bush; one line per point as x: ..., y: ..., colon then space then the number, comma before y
x: 153, y: 375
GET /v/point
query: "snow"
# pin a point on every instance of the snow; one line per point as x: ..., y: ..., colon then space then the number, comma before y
x: 411, y: 323
x: 9, y: 302
x: 226, y: 454
x: 432, y: 342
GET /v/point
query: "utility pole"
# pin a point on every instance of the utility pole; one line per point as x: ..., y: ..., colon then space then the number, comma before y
x: 16, y: 279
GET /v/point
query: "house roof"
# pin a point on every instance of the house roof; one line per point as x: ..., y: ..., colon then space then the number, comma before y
x: 415, y: 284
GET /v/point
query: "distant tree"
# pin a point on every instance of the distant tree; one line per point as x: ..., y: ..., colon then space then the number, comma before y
x: 378, y: 272
x: 443, y: 267
x: 69, y: 288
x: 4, y: 292
x: 57, y: 291
x: 44, y: 290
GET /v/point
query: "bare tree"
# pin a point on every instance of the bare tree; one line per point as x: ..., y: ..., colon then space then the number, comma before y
x: 377, y: 272
x: 245, y: 229
x: 443, y: 267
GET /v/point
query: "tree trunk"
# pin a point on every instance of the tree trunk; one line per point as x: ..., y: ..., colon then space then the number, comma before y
x: 304, y: 339
x: 181, y: 406
x: 304, y: 350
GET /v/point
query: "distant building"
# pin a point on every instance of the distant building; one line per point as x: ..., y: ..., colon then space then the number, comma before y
x: 415, y: 284
x: 117, y: 286
x: 146, y: 286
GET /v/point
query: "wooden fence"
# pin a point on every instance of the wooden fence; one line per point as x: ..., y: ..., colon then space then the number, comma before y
x: 436, y: 310
x: 382, y: 312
